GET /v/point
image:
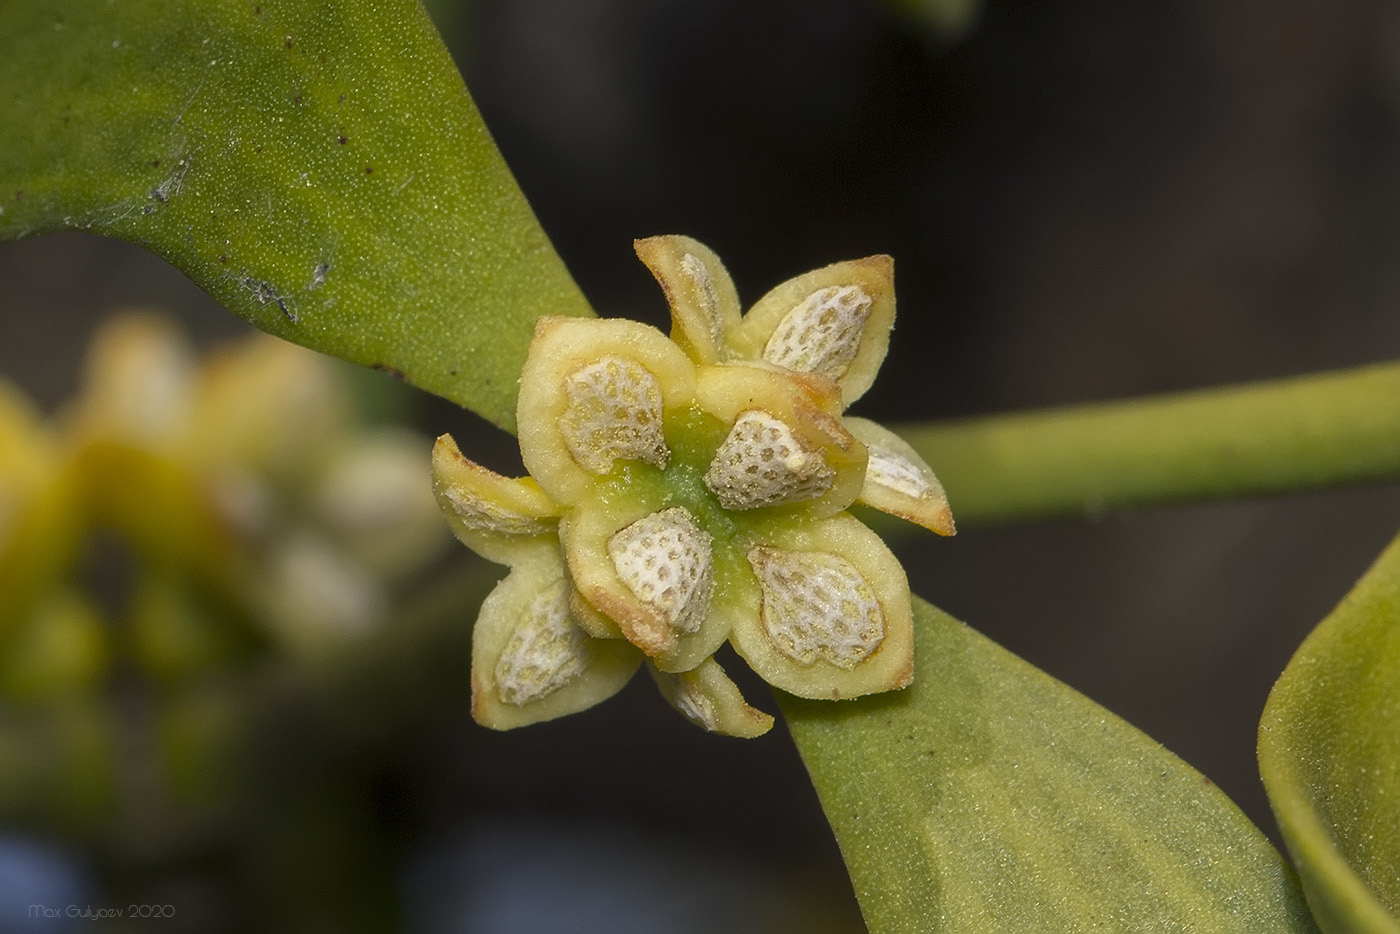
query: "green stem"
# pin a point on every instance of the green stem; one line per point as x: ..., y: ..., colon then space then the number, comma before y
x: 1293, y: 434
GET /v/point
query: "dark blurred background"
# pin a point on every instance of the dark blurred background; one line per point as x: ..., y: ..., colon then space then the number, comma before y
x: 1085, y: 200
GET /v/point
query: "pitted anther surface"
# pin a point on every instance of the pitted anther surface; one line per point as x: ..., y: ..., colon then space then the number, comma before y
x: 544, y: 653
x: 665, y: 560
x: 822, y: 334
x: 762, y: 463
x: 614, y: 412
x: 817, y: 605
x: 482, y: 515
x: 891, y: 469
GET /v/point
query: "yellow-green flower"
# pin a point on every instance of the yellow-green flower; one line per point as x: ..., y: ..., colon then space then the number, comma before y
x: 690, y: 490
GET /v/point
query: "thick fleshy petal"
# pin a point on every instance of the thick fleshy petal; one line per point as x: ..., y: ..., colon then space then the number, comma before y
x: 494, y: 516
x: 897, y: 480
x: 817, y: 605
x: 530, y: 660
x: 833, y: 322
x: 594, y: 392
x: 651, y: 571
x: 786, y: 446
x: 593, y: 620
x: 29, y: 462
x: 614, y: 413
x: 707, y: 698
x: 704, y: 305
x: 835, y: 618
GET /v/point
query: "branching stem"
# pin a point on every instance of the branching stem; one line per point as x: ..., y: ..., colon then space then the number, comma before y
x: 1293, y: 434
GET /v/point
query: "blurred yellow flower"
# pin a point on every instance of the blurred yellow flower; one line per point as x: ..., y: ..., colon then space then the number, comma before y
x: 242, y: 487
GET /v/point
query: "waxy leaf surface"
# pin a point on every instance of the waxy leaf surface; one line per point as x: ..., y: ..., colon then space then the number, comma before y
x: 989, y: 797
x: 315, y: 166
x: 1329, y: 751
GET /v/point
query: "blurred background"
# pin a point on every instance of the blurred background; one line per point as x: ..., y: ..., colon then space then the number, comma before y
x: 1084, y: 200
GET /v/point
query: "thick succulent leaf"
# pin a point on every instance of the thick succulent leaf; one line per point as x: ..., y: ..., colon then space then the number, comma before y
x: 316, y: 167
x: 1329, y: 751
x: 989, y: 797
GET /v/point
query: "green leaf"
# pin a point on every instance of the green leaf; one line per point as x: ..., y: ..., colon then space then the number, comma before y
x: 989, y: 797
x: 315, y: 166
x: 1329, y: 751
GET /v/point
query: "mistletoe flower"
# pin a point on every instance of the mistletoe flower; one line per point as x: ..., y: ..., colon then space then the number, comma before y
x: 832, y: 322
x: 692, y: 490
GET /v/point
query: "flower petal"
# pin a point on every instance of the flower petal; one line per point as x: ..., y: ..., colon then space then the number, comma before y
x: 530, y: 661
x: 492, y: 515
x: 835, y: 618
x: 593, y: 620
x: 704, y: 305
x: 897, y: 480
x: 706, y: 697
x: 651, y: 571
x: 39, y: 513
x: 833, y: 322
x: 544, y: 652
x: 785, y: 445
x: 594, y: 392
